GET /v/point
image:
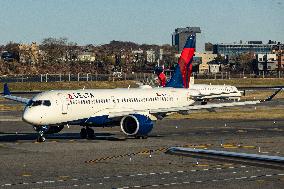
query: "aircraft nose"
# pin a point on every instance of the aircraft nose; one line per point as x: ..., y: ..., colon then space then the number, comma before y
x: 29, y: 117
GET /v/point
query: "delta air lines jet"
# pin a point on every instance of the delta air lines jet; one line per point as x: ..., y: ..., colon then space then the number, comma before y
x: 134, y: 109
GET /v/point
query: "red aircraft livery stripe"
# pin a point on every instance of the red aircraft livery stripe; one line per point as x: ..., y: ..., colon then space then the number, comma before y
x: 185, y: 60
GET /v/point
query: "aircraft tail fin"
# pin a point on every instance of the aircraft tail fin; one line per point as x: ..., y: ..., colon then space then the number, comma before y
x: 183, y: 70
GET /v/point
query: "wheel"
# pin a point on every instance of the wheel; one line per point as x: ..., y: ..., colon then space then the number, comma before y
x: 90, y: 133
x: 83, y: 133
x: 41, y: 139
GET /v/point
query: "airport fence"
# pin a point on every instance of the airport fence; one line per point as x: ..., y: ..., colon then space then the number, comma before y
x: 147, y: 78
x: 143, y: 77
x: 241, y: 75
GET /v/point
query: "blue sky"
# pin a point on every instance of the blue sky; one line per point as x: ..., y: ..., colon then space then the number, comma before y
x: 141, y: 21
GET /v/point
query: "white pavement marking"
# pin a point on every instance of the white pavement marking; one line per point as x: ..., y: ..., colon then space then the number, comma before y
x: 161, y: 173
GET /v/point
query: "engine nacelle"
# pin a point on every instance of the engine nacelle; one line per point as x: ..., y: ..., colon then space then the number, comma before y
x: 49, y: 129
x: 136, y: 125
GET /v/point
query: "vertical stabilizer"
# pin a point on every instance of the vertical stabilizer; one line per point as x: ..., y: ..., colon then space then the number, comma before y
x: 183, y: 70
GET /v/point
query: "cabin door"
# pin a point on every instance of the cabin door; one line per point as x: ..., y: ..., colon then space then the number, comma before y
x: 64, y: 103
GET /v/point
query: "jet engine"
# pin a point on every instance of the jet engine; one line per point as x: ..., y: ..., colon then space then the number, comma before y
x: 136, y: 125
x: 49, y: 129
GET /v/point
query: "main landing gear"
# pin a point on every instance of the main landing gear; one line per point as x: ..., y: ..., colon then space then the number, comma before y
x: 87, y: 133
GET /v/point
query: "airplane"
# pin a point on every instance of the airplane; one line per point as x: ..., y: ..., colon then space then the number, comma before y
x: 134, y: 109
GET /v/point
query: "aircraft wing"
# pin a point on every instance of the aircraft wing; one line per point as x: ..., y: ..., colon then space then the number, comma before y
x: 7, y: 95
x: 119, y: 113
x: 222, y: 95
x: 212, y: 106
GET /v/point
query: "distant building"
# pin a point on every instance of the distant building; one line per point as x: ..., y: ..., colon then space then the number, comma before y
x: 87, y: 57
x: 279, y: 51
x: 267, y: 62
x: 180, y: 36
x: 208, y: 47
x: 150, y: 56
x: 138, y: 55
x: 205, y: 59
x: 214, y: 68
x: 255, y: 47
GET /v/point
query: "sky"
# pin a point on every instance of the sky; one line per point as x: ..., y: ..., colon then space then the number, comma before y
x: 141, y: 21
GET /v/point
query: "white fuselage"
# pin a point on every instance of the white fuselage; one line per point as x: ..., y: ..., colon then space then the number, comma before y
x: 72, y: 105
x: 65, y: 106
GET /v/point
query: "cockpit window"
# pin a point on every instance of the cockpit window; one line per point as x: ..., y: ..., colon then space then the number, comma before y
x: 30, y: 103
x: 46, y: 103
x: 39, y: 102
x: 36, y: 103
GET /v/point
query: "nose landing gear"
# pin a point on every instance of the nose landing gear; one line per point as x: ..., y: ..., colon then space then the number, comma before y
x: 40, y: 138
x: 87, y: 133
x: 40, y: 130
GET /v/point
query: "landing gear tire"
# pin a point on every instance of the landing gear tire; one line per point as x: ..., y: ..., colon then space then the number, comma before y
x: 83, y: 133
x: 90, y: 133
x: 41, y: 139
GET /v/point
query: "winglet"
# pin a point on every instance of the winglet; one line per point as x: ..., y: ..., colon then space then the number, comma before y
x: 6, y: 90
x: 272, y: 96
